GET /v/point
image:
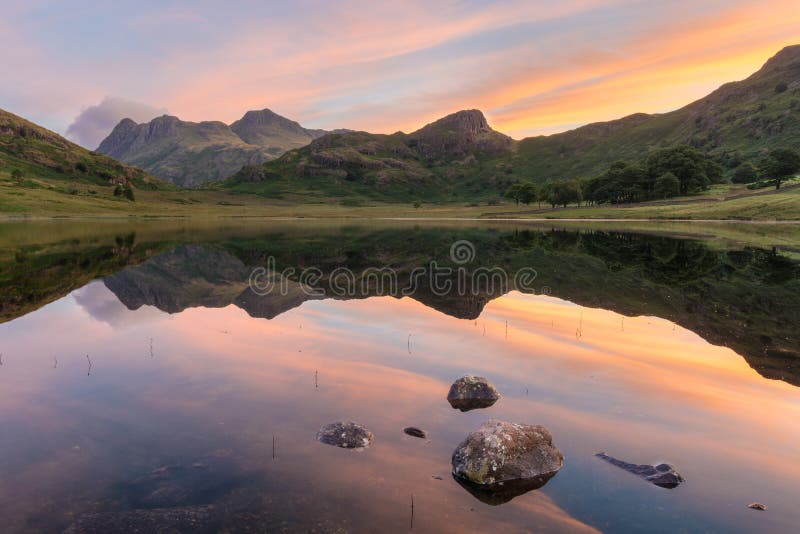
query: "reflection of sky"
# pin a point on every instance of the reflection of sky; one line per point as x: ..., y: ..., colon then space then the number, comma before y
x: 102, y: 305
x: 641, y: 389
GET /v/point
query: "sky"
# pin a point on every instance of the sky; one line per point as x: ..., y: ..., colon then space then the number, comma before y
x: 533, y: 67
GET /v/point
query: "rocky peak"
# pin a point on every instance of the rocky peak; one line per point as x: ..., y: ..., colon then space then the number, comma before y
x: 255, y: 124
x: 162, y: 126
x: 457, y: 135
x: 469, y: 121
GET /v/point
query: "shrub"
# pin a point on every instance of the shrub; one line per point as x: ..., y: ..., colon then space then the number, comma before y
x: 81, y: 166
x: 745, y: 173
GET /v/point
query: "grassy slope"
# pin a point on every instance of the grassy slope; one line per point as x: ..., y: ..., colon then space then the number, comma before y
x: 47, y: 160
x: 737, y: 121
x: 55, y: 197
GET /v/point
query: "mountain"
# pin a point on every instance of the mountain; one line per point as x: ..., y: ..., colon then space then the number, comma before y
x: 460, y: 157
x: 734, y: 123
x: 36, y: 157
x: 195, y: 153
x: 435, y: 160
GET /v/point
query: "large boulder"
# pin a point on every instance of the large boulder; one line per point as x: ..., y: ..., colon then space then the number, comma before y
x: 471, y: 392
x: 501, y: 460
x: 662, y: 475
x: 347, y: 435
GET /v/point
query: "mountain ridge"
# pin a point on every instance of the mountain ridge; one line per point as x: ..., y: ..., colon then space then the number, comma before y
x: 194, y: 153
x: 737, y: 122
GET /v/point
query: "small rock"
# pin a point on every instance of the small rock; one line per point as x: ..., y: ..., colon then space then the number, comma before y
x: 502, y: 460
x: 662, y: 475
x: 757, y: 506
x: 436, y: 477
x: 347, y: 435
x: 472, y: 392
x: 415, y: 432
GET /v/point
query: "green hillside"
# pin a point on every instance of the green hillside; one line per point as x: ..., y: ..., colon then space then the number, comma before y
x: 32, y: 156
x: 461, y: 158
x: 737, y: 122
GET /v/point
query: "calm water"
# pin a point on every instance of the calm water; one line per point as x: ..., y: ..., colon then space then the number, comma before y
x: 144, y: 383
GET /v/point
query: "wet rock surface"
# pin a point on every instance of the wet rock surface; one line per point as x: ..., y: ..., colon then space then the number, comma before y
x: 348, y: 435
x: 662, y: 475
x: 472, y: 392
x: 415, y: 432
x: 502, y: 460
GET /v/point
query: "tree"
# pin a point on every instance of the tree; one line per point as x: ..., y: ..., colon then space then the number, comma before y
x: 525, y: 192
x: 666, y: 186
x: 127, y: 192
x: 529, y: 193
x: 563, y: 193
x: 118, y: 191
x: 781, y: 164
x: 514, y: 192
x: 745, y: 173
x: 694, y: 169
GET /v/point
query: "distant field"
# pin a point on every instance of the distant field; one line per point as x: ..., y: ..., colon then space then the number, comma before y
x: 41, y: 197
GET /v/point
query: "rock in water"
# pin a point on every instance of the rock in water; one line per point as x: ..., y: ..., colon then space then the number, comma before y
x: 415, y: 432
x: 347, y: 435
x: 663, y: 475
x: 757, y: 506
x: 502, y: 460
x: 471, y: 392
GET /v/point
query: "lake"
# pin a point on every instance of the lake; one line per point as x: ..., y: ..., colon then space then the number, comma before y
x: 174, y: 374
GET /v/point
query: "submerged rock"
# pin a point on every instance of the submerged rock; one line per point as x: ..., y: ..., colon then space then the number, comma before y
x: 663, y: 475
x: 415, y: 432
x: 502, y: 460
x: 347, y: 435
x: 472, y: 392
x: 757, y: 506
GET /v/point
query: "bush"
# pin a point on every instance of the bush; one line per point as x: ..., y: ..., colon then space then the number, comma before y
x: 746, y: 173
x: 16, y: 175
x: 781, y: 87
x: 127, y: 192
x: 118, y: 191
x: 81, y: 166
x: 666, y: 186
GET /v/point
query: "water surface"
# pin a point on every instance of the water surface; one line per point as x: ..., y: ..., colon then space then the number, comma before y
x: 143, y: 382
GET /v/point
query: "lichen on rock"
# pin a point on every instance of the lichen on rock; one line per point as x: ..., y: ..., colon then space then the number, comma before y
x: 501, y: 460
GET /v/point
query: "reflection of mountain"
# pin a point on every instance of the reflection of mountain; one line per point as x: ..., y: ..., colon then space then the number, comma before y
x: 189, y: 276
x: 748, y: 299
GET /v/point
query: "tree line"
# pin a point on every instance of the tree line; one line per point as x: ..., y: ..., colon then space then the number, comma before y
x: 665, y: 173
